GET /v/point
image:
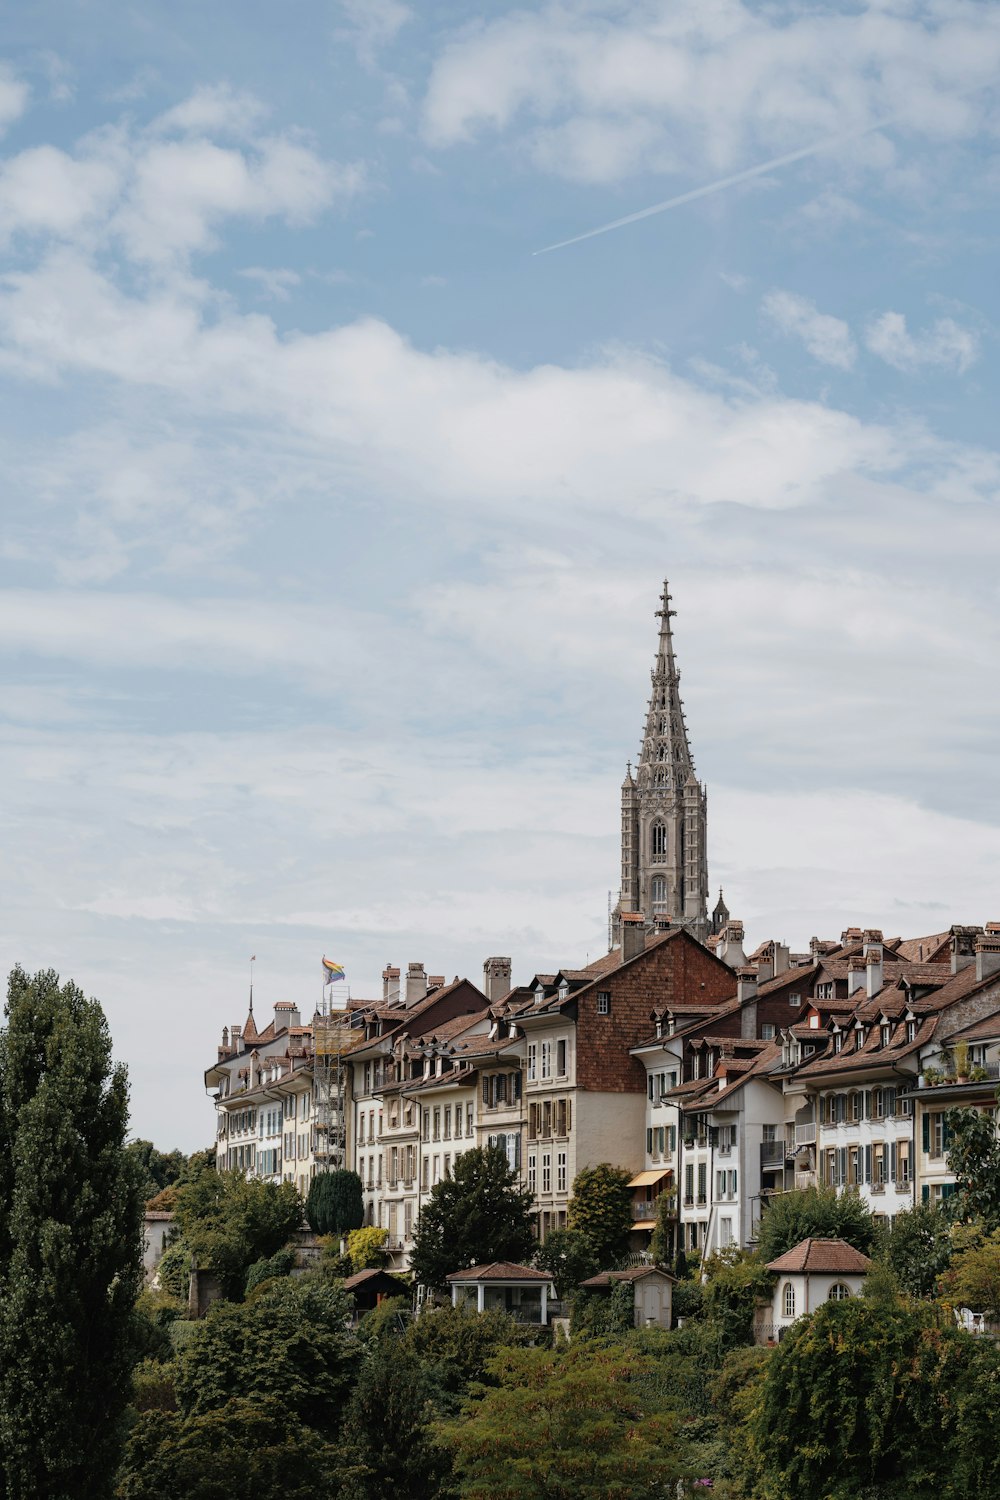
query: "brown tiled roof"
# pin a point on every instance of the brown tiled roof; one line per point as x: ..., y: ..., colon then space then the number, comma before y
x: 822, y: 1256
x: 630, y: 1273
x: 499, y: 1270
x: 919, y: 950
x: 359, y: 1279
x: 983, y: 1030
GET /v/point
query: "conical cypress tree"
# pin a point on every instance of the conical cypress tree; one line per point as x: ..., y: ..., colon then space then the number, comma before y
x: 70, y: 1245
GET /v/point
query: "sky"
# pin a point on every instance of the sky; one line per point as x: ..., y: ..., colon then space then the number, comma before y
x: 335, y: 514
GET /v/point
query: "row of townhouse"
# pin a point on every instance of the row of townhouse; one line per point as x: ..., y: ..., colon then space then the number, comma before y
x: 713, y: 1078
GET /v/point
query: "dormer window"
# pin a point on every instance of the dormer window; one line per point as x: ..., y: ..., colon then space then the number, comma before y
x: 824, y: 991
x: 539, y: 994
x: 911, y: 1030
x: 886, y: 1033
x: 563, y: 989
x: 838, y: 1041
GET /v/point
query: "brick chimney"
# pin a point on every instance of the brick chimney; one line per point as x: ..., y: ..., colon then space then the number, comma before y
x: 496, y: 978
x: 390, y: 983
x: 963, y: 947
x: 857, y: 969
x: 416, y: 984
x: 746, y: 994
x: 633, y: 934
x: 730, y: 948
x: 988, y: 951
x: 236, y: 1032
x: 873, y: 969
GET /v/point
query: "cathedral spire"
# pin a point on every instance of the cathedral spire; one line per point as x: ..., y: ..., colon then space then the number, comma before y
x: 664, y: 864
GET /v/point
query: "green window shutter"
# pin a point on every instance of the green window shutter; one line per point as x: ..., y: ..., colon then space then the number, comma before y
x: 946, y: 1136
x: 948, y: 1190
x: 925, y: 1192
x: 868, y: 1163
x: 927, y: 1133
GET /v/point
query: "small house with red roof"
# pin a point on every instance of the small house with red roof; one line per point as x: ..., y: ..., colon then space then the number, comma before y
x: 813, y: 1272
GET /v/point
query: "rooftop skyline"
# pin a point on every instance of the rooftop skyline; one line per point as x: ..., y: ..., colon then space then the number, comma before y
x: 336, y: 516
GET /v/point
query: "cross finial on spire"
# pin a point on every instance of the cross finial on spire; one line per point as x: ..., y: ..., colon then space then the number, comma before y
x: 665, y: 612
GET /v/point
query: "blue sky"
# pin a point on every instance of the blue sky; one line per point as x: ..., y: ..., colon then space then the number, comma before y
x: 335, y: 517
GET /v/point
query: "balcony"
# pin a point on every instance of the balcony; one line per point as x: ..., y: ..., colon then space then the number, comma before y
x: 772, y: 1153
x: 644, y: 1208
x: 805, y: 1180
x: 805, y: 1135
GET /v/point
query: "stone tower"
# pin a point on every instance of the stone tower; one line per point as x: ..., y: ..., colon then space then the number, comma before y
x: 664, y: 809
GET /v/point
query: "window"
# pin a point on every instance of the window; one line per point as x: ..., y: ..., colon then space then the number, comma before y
x: 726, y: 1232
x: 532, y: 1061
x: 437, y: 1124
x: 838, y: 1292
x: 702, y: 1182
x: 658, y: 837
x: 561, y: 1172
x: 447, y: 1122
x: 838, y: 1041
x: 532, y: 1121
x: 824, y: 992
x: 468, y: 1120
x: 426, y: 1130
x: 546, y: 1171
x: 688, y: 1185
x: 659, y: 896
x: 886, y: 1033
x: 795, y: 1000
x: 532, y: 1171
x: 561, y: 1059
x: 604, y: 1002
x: 546, y: 1059
x: 408, y: 1219
x: 767, y: 1031
x: 911, y: 1031
x: 788, y: 1300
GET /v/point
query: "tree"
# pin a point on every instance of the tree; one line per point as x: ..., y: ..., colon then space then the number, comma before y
x: 291, y: 1338
x: 70, y: 1244
x: 366, y: 1248
x: 974, y: 1157
x: 246, y: 1447
x: 477, y: 1215
x: 918, y: 1248
x: 735, y: 1282
x: 567, y: 1423
x: 389, y: 1444
x: 601, y: 1208
x: 160, y: 1169
x: 227, y: 1221
x: 661, y: 1246
x: 457, y: 1350
x: 974, y: 1278
x: 335, y: 1204
x: 865, y: 1398
x: 270, y: 1269
x: 568, y: 1255
x: 817, y: 1212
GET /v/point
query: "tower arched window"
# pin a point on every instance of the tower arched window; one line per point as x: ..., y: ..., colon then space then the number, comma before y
x: 788, y: 1300
x: 658, y: 840
x: 838, y: 1292
x: 659, y: 895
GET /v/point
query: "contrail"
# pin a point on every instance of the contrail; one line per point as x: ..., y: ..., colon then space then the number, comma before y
x: 723, y: 182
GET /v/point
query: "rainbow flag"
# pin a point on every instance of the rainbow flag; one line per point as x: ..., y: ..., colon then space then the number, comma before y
x: 331, y: 971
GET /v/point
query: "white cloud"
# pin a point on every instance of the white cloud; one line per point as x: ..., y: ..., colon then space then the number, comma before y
x: 14, y: 96
x: 945, y: 345
x: 46, y: 191
x: 375, y: 22
x: 214, y: 110
x: 276, y: 282
x: 826, y: 338
x: 599, y: 91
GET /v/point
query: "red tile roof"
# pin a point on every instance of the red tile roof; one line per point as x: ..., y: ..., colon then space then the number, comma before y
x: 500, y: 1270
x: 829, y: 1256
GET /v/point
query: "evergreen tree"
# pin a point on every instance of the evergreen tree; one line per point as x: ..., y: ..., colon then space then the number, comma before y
x: 601, y: 1207
x: 389, y: 1441
x: 70, y: 1245
x: 477, y: 1215
x: 335, y: 1204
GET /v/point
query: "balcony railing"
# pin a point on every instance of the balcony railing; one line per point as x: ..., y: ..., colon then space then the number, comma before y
x: 772, y: 1153
x: 805, y: 1135
x: 805, y: 1179
x: 645, y: 1208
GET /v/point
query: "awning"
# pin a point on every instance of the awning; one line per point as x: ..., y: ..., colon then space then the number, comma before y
x: 646, y: 1179
x: 644, y: 1224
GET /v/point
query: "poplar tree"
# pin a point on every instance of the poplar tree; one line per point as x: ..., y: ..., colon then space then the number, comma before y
x: 70, y: 1245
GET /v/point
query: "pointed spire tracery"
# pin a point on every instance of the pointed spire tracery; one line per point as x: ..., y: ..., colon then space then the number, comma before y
x: 665, y: 749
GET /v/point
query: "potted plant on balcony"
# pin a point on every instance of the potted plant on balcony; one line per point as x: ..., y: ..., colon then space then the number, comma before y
x: 960, y: 1056
x: 978, y: 1074
x: 932, y: 1077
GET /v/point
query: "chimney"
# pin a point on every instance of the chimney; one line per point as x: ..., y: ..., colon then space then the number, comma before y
x: 496, y: 978
x: 435, y: 982
x: 988, y: 951
x: 633, y: 934
x: 765, y: 963
x: 237, y: 1035
x: 873, y: 967
x: 390, y: 984
x: 730, y: 948
x: 746, y: 994
x: 963, y: 947
x: 850, y: 936
x: 416, y: 984
x: 856, y: 971
x: 286, y: 1014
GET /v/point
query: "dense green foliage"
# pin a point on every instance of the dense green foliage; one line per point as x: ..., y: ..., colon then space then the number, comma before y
x: 158, y: 1169
x: 865, y: 1399
x: 918, y: 1249
x: 974, y: 1157
x: 390, y: 1446
x: 269, y: 1269
x: 335, y: 1204
x: 570, y: 1257
x: 70, y: 1244
x: 820, y: 1212
x: 661, y: 1246
x: 571, y: 1422
x: 737, y: 1282
x: 601, y: 1208
x: 477, y: 1215
x: 366, y: 1248
x: 228, y: 1221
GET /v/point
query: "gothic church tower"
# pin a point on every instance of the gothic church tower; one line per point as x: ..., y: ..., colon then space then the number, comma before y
x: 664, y: 809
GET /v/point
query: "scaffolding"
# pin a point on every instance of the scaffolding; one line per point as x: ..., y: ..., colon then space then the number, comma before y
x: 331, y: 1036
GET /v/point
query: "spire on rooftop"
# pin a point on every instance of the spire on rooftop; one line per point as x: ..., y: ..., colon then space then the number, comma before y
x: 665, y: 743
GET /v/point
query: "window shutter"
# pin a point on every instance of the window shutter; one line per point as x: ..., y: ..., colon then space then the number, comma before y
x: 842, y: 1165
x: 673, y: 1138
x: 569, y: 1116
x: 486, y: 1088
x: 927, y: 1137
x: 948, y: 1190
x: 946, y: 1136
x: 517, y: 1086
x: 649, y: 1140
x: 868, y: 1163
x: 925, y: 1192
x: 649, y: 1087
x: 892, y: 1161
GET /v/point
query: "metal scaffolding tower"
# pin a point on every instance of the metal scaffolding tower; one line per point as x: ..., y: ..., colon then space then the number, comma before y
x: 331, y: 1030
